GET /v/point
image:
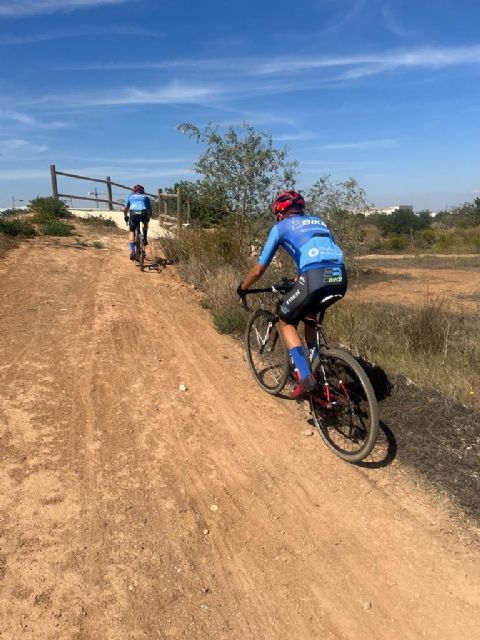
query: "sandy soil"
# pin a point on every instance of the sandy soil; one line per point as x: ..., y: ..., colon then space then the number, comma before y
x: 132, y: 509
x: 460, y: 288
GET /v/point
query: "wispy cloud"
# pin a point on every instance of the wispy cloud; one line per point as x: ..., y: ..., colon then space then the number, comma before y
x: 384, y: 143
x: 359, y: 64
x: 174, y: 92
x: 21, y: 175
x: 120, y: 172
x: 18, y: 8
x: 15, y: 144
x: 94, y: 30
x: 299, y: 135
x: 427, y: 57
x: 253, y: 78
x: 344, y: 17
x: 135, y: 160
x: 169, y: 94
x: 30, y: 121
x: 394, y: 25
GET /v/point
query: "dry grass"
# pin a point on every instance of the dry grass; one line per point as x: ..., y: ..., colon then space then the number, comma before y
x: 211, y: 261
x: 429, y: 345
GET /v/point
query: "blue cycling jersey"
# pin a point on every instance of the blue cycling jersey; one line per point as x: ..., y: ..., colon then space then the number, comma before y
x: 138, y: 202
x: 307, y: 239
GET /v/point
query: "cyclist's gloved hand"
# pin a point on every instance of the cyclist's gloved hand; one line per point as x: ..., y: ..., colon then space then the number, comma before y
x: 241, y: 293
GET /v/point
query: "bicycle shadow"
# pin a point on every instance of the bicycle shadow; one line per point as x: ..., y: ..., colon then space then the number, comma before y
x: 155, y: 265
x: 385, y: 450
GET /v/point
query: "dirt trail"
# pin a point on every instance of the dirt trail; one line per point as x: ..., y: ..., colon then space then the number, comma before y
x: 131, y: 509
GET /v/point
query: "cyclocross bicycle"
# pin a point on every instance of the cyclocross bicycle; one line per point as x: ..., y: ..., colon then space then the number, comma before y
x: 344, y: 407
x: 139, y: 246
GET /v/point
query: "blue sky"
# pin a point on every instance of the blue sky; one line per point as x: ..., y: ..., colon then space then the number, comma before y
x: 386, y: 91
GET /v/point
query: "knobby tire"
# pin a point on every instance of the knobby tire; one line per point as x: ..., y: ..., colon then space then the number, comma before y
x: 269, y: 362
x: 350, y: 427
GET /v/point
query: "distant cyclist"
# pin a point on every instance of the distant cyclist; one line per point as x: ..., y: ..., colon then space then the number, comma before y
x: 321, y: 273
x: 140, y: 209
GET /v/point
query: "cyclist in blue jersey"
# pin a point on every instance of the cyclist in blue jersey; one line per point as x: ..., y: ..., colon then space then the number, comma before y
x: 140, y: 209
x: 321, y: 276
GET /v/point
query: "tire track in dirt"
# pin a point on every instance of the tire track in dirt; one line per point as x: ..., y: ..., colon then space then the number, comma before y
x: 131, y: 509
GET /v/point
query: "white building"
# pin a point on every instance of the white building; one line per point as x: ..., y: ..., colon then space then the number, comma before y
x: 387, y: 211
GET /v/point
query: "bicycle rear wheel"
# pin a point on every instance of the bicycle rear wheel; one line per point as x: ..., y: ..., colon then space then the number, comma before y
x: 141, y: 251
x: 139, y: 248
x: 345, y: 409
x: 267, y: 355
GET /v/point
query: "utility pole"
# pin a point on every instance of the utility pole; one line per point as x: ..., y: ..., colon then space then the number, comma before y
x: 95, y: 193
x: 13, y: 202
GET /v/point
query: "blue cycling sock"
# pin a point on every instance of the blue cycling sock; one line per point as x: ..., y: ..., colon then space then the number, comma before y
x: 300, y: 362
x: 132, y: 246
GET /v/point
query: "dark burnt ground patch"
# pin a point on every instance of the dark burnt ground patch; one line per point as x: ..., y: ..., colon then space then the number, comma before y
x: 361, y: 276
x: 437, y: 439
x: 474, y: 296
x: 455, y: 263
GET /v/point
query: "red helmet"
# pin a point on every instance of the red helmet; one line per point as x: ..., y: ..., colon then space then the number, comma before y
x: 287, y: 200
x: 138, y: 189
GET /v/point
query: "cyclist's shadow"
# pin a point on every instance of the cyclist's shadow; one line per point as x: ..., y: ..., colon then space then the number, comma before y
x: 386, y: 448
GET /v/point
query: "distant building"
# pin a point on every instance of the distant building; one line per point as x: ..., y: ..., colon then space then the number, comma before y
x: 387, y: 211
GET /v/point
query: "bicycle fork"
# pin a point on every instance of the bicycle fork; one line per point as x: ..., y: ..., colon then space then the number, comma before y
x: 263, y: 341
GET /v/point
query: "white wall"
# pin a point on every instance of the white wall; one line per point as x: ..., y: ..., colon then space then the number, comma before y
x: 154, y: 229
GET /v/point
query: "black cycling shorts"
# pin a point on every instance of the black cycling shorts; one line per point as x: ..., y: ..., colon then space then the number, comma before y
x: 136, y: 217
x: 310, y: 290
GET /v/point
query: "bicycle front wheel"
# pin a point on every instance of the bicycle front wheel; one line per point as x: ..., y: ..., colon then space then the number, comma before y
x: 344, y: 409
x: 267, y: 355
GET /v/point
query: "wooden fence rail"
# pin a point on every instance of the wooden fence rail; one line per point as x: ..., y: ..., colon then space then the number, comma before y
x: 160, y: 197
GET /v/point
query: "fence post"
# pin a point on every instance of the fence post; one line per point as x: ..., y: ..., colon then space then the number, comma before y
x: 189, y: 212
x: 179, y: 211
x: 53, y: 176
x: 160, y: 204
x: 110, y: 194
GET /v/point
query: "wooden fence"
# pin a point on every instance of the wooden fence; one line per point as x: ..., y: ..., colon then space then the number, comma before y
x: 161, y: 197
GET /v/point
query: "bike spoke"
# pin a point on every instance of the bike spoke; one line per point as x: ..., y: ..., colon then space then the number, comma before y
x: 342, y: 408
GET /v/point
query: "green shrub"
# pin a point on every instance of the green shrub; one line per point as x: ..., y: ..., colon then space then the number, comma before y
x: 10, y: 212
x: 48, y: 208
x: 229, y: 321
x: 427, y: 235
x: 397, y: 243
x: 20, y: 228
x: 57, y: 228
x: 98, y: 221
x: 98, y: 244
